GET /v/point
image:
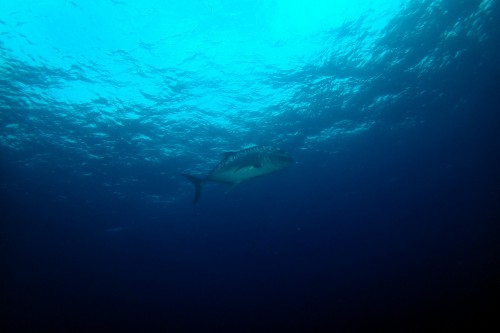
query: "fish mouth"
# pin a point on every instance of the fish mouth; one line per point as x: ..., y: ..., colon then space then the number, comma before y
x: 284, y: 157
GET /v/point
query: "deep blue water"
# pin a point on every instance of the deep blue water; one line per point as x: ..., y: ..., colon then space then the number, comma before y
x: 388, y: 219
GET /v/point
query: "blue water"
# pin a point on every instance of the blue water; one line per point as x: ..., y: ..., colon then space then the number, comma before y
x: 388, y: 219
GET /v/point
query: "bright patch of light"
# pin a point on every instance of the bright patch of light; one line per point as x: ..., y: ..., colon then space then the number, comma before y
x: 307, y: 17
x: 166, y: 33
x: 228, y: 43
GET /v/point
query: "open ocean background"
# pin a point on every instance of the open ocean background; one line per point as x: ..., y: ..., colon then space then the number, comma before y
x: 387, y: 220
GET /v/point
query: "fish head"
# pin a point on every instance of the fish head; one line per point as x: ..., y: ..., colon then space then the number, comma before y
x: 280, y: 158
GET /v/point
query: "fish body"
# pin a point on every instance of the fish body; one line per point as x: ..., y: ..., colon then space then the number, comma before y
x: 239, y: 166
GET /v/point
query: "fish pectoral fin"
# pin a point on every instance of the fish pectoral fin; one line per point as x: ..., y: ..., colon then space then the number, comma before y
x: 252, y: 165
x: 241, y: 167
x: 257, y: 165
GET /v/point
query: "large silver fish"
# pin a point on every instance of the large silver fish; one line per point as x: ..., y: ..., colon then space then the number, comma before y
x: 242, y: 165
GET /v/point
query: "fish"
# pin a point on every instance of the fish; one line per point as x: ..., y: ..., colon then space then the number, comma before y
x: 239, y: 166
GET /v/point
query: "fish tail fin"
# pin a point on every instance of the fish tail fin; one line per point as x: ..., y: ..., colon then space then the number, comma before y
x: 197, y: 182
